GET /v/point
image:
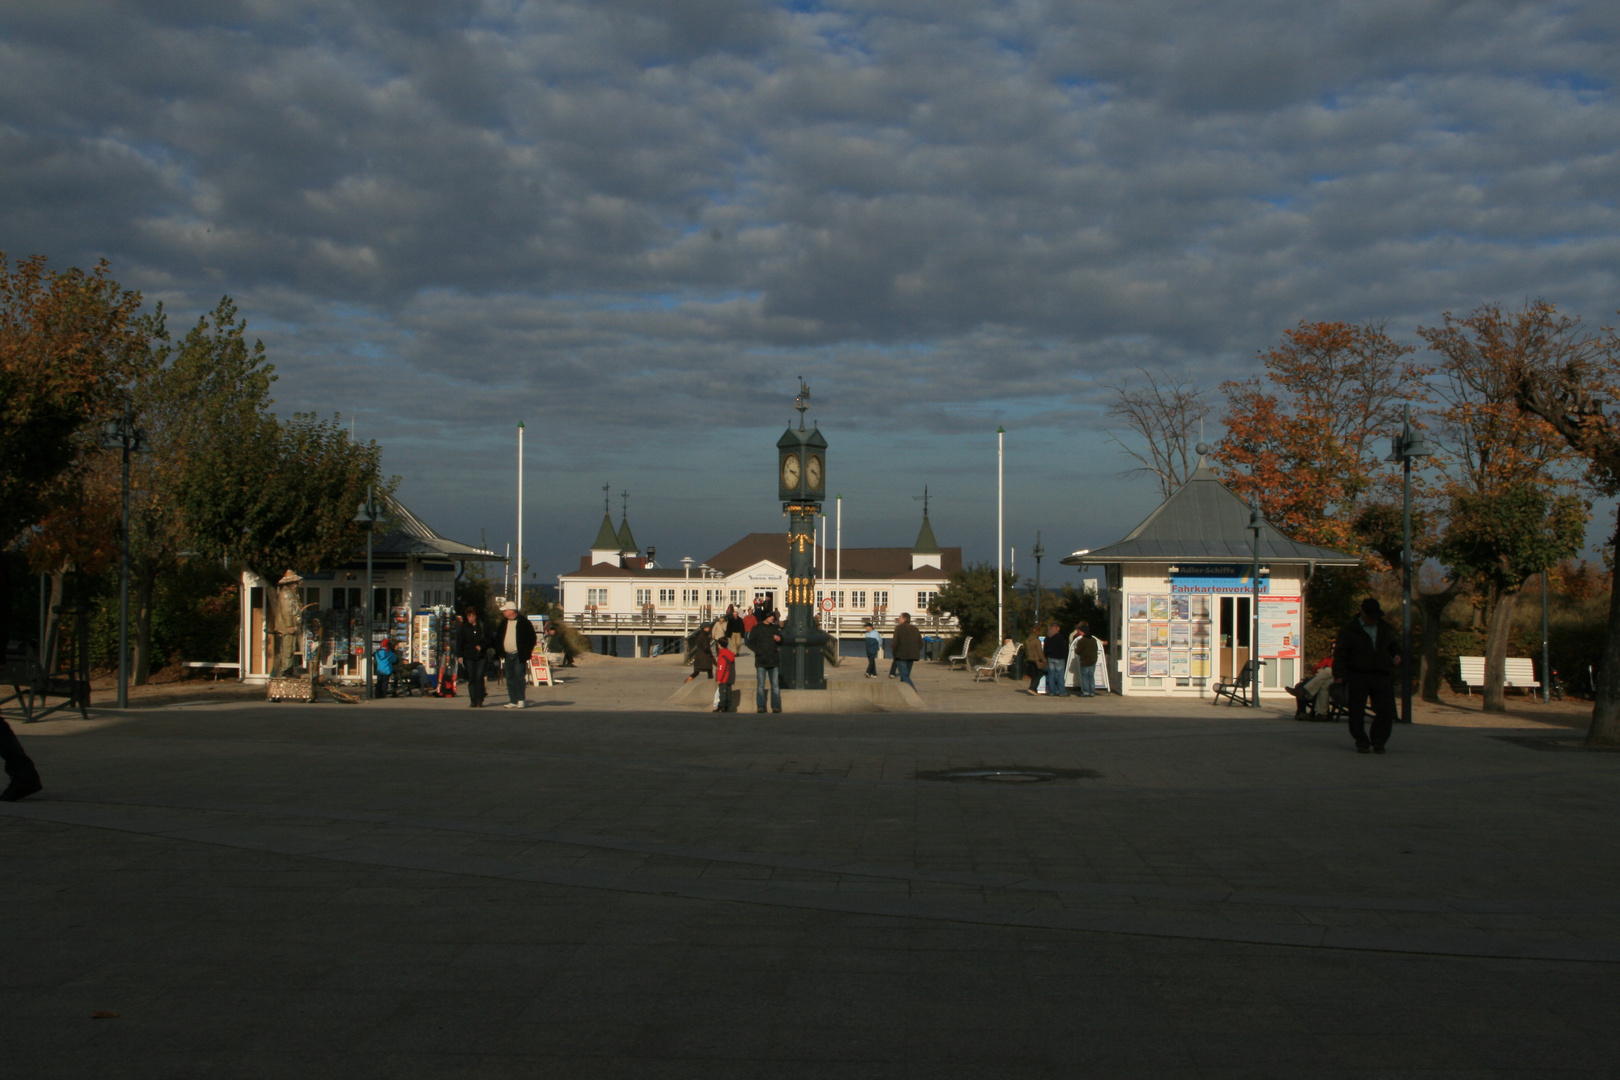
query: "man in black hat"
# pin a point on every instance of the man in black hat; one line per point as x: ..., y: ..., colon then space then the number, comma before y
x: 1365, y: 660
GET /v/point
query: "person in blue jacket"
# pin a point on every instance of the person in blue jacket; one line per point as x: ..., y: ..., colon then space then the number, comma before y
x: 874, y: 649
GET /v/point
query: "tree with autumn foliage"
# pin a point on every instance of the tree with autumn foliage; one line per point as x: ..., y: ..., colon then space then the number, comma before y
x: 1309, y: 435
x: 1566, y: 384
x: 71, y: 343
x: 1308, y: 438
x: 1505, y: 465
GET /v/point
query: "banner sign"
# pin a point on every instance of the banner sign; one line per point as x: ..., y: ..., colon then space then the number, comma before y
x: 1216, y: 578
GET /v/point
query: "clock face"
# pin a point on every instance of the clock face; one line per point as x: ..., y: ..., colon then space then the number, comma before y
x: 790, y: 471
x: 812, y: 473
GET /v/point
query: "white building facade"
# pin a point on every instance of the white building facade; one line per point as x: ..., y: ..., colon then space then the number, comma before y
x: 617, y: 591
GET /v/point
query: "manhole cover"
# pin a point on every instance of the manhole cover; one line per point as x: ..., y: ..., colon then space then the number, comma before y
x: 1008, y: 774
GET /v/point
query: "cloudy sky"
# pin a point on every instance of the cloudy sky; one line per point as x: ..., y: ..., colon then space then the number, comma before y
x: 632, y: 223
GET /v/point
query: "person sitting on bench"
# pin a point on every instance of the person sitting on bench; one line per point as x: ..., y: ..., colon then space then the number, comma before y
x: 1312, y: 694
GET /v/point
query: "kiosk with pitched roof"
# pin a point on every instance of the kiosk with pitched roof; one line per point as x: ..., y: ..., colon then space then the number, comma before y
x: 1181, y: 594
x: 412, y: 593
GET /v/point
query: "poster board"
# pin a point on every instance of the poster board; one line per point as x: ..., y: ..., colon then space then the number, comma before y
x: 1280, y: 627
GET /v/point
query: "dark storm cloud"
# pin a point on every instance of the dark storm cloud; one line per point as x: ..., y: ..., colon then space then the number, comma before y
x: 441, y: 213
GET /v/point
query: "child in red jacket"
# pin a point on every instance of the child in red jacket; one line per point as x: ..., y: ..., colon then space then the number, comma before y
x: 725, y: 673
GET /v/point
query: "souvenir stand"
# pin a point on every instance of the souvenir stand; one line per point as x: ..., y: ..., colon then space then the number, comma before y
x: 412, y: 593
x: 1182, y: 589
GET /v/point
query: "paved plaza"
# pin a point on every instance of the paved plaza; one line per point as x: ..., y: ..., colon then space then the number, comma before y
x: 618, y: 883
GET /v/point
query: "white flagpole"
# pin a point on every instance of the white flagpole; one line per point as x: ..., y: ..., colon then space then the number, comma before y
x: 520, y: 521
x: 1001, y: 546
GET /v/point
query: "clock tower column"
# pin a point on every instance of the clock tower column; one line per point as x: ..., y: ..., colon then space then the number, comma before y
x: 802, y: 485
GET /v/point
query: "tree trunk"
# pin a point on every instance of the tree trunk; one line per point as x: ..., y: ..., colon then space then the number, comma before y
x: 1496, y: 643
x: 1433, y: 607
x: 145, y: 574
x: 1605, y: 729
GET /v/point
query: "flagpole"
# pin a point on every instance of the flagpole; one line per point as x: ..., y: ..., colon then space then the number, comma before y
x: 1001, y: 547
x: 520, y: 521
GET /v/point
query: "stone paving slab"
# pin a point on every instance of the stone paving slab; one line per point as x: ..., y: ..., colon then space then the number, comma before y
x: 410, y: 889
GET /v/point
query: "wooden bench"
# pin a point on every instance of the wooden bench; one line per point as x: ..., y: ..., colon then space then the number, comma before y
x: 214, y: 668
x: 1518, y: 673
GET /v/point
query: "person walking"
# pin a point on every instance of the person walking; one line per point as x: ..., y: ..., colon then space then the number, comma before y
x: 702, y: 654
x: 472, y: 641
x: 725, y: 674
x: 734, y: 627
x: 1035, y: 657
x: 908, y: 645
x: 514, y: 643
x: 1057, y: 653
x: 1085, y: 654
x: 22, y: 776
x: 874, y: 648
x: 765, y: 641
x: 1364, y: 660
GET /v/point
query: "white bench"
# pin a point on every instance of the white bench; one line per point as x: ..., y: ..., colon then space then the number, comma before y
x: 214, y: 668
x: 1518, y: 673
x: 995, y: 665
x: 961, y: 657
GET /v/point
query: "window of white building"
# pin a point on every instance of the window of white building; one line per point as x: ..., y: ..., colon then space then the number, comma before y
x: 643, y: 597
x: 857, y: 599
x: 597, y: 597
x: 666, y: 597
x: 924, y: 598
x: 880, y: 599
x: 689, y: 597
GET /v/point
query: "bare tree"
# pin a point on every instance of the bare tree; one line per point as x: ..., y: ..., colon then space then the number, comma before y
x: 1163, y: 414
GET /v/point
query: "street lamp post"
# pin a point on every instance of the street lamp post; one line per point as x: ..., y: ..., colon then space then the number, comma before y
x: 367, y: 516
x: 1256, y: 523
x: 1403, y: 448
x: 124, y: 435
x: 1037, y: 552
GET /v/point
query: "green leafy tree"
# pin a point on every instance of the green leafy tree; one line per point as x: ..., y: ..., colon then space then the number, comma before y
x: 280, y: 497
x: 970, y: 595
x: 197, y: 393
x: 1501, y: 540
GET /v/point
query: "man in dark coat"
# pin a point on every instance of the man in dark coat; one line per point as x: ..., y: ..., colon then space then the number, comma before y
x: 1056, y: 648
x: 1085, y: 654
x: 20, y: 771
x: 1365, y: 660
x: 765, y: 642
x: 514, y: 640
x: 907, y: 647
